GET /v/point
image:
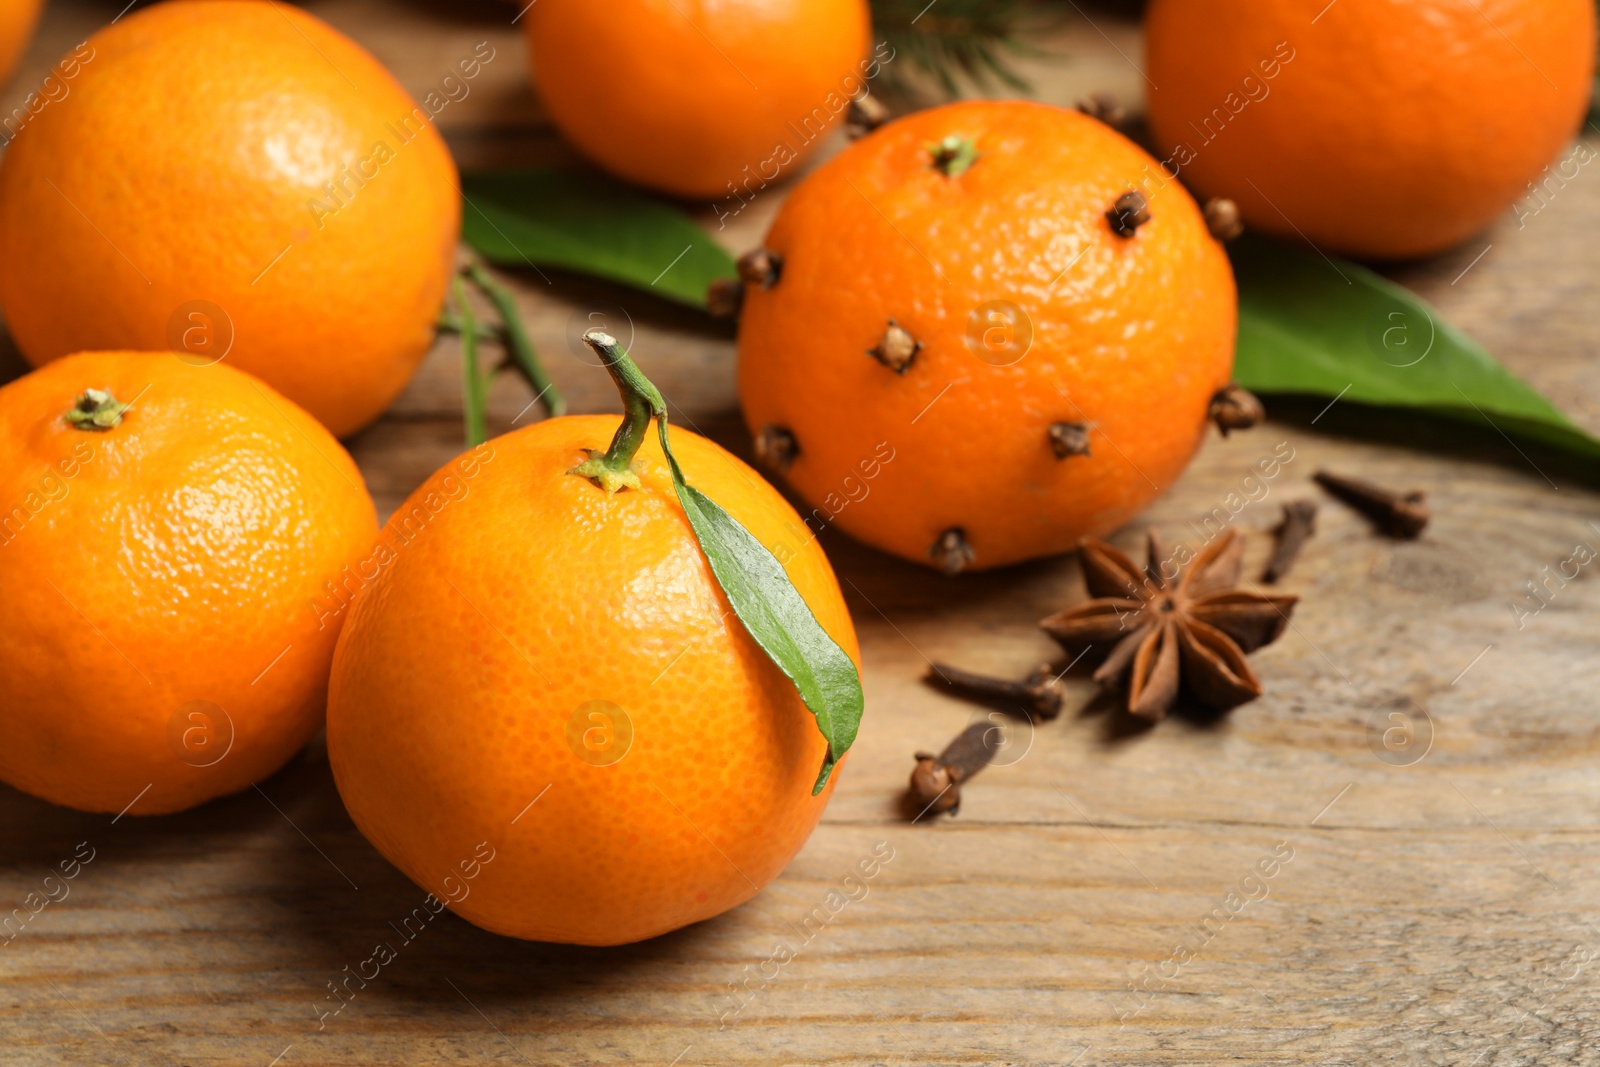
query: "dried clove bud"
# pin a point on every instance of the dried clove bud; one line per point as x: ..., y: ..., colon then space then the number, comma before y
x: 936, y: 780
x: 1222, y: 218
x: 1104, y: 107
x: 760, y: 268
x: 1039, y: 695
x: 1069, y: 439
x: 897, y: 348
x: 724, y: 298
x: 951, y: 553
x: 865, y: 114
x: 1235, y: 408
x: 1130, y: 212
x: 1401, y: 516
x: 776, y: 447
x: 1299, y: 522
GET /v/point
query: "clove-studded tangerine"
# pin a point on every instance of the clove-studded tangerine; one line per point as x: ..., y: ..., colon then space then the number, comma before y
x: 1015, y: 303
x: 552, y: 668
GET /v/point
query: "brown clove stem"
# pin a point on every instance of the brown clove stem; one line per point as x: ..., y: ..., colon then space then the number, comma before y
x: 1401, y: 516
x: 1039, y: 695
x: 865, y: 114
x: 936, y: 780
x: 1299, y: 522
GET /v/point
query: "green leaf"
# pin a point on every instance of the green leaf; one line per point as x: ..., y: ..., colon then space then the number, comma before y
x: 779, y: 619
x: 592, y: 225
x: 1312, y: 325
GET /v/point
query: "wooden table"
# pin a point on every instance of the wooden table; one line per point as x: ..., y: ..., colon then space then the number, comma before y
x: 1431, y: 905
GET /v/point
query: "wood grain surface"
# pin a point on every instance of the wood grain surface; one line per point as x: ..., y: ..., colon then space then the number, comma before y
x: 1103, y: 898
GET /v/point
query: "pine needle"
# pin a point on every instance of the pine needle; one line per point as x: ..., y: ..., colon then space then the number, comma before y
x: 954, y: 41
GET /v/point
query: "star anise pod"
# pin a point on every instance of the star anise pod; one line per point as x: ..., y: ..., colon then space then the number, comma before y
x: 1169, y: 628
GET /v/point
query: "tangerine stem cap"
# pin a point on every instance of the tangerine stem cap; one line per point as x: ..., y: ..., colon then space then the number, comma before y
x: 612, y: 470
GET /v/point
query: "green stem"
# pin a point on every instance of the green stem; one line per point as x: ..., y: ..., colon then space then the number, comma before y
x: 474, y: 400
x: 523, y: 354
x: 613, y: 469
x: 758, y: 588
x: 97, y: 410
x: 450, y: 322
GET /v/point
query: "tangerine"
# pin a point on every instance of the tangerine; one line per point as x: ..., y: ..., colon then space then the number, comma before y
x: 714, y: 99
x: 983, y: 332
x: 169, y: 535
x: 1377, y: 129
x: 17, y: 20
x: 545, y: 672
x: 234, y: 179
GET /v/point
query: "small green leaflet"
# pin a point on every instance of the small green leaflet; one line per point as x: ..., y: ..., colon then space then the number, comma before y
x: 592, y: 225
x: 1309, y: 325
x: 779, y: 619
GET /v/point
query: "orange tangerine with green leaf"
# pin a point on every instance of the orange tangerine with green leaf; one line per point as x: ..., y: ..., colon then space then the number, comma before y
x: 626, y: 669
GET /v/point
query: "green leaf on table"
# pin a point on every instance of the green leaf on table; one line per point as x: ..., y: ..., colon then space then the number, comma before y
x: 1313, y: 325
x: 779, y: 619
x: 589, y: 224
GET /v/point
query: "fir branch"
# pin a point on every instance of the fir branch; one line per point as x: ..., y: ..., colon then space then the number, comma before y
x: 954, y: 40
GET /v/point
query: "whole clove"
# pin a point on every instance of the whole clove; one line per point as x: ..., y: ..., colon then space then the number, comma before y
x: 951, y: 553
x: 1222, y: 218
x: 1235, y: 408
x: 897, y: 348
x: 1130, y: 211
x: 1039, y: 695
x: 1069, y: 439
x: 760, y: 268
x: 936, y: 780
x: 1104, y: 107
x: 724, y: 298
x: 1299, y: 522
x: 1402, y: 516
x: 777, y: 447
